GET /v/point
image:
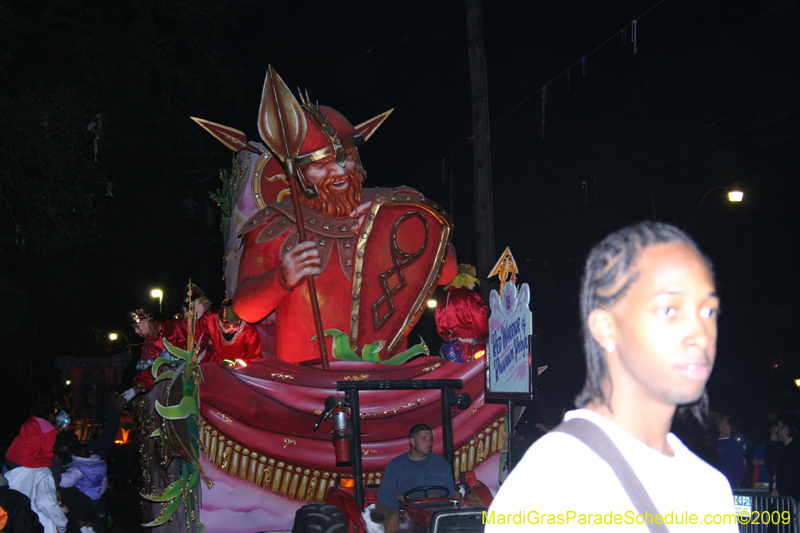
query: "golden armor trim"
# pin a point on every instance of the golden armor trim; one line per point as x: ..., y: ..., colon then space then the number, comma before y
x: 255, y: 180
x: 430, y: 283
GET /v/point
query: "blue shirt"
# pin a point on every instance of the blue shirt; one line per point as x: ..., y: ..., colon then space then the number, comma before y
x: 403, y: 474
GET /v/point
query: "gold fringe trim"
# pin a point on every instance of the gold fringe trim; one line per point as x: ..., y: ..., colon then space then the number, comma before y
x: 477, y: 450
x: 362, y: 377
x: 378, y: 414
x: 300, y: 483
x: 393, y: 410
x: 224, y: 417
x: 475, y: 410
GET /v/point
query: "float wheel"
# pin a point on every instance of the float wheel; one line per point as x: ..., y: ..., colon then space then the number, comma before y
x: 318, y: 518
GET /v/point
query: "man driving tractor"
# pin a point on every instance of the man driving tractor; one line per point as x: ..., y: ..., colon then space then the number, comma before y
x: 419, y: 467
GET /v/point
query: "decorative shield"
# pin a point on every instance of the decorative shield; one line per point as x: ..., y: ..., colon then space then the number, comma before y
x: 405, y: 238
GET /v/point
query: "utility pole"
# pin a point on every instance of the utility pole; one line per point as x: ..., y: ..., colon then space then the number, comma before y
x: 482, y: 208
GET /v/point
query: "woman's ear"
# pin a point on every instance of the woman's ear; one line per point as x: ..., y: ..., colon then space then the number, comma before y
x: 601, y: 325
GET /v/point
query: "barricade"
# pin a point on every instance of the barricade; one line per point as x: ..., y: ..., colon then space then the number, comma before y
x: 766, y: 514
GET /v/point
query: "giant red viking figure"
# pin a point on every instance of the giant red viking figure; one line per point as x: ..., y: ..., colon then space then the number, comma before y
x: 348, y: 239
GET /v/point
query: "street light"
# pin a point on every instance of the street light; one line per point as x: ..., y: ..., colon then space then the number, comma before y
x: 114, y: 336
x: 734, y: 195
x: 432, y: 303
x: 158, y: 293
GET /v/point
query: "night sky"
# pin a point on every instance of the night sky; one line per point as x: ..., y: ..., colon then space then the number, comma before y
x: 710, y: 99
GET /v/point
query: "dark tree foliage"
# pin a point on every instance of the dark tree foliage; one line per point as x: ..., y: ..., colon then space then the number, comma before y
x: 95, y: 99
x: 126, y: 72
x: 48, y: 176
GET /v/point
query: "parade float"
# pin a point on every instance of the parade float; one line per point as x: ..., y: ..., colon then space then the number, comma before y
x: 234, y: 449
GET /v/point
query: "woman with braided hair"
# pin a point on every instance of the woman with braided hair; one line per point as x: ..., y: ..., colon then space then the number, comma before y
x: 610, y: 271
x: 649, y: 309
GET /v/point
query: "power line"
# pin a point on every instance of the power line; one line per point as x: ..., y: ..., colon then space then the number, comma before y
x: 582, y: 61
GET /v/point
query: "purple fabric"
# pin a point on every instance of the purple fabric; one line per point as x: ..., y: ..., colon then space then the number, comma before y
x: 454, y: 352
x: 88, y: 475
x: 731, y: 460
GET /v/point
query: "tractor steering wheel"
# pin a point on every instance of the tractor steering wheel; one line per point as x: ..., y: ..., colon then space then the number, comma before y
x: 426, y: 489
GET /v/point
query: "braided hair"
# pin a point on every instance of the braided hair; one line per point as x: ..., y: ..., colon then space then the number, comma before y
x: 608, y: 274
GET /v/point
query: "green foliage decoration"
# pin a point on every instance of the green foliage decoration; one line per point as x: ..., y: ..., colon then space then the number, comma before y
x: 370, y: 352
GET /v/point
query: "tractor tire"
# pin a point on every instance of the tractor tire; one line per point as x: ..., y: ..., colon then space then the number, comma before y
x: 319, y: 518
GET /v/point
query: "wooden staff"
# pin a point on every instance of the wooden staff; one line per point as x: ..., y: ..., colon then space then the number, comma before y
x: 282, y: 126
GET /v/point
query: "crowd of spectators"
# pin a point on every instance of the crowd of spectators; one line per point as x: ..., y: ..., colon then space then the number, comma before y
x: 768, y: 460
x: 40, y: 491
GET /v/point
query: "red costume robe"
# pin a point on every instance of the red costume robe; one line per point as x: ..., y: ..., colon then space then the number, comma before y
x: 245, y: 344
x: 462, y: 320
x: 175, y: 332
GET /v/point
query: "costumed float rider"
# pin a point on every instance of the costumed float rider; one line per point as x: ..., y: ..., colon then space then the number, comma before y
x: 153, y: 333
x: 193, y: 293
x: 419, y: 467
x: 462, y: 321
x: 231, y: 340
x: 275, y: 265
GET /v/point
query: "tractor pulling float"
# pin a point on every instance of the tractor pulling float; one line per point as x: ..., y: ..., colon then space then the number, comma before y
x: 343, y: 509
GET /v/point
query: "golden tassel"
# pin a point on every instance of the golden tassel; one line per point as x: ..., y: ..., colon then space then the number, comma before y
x: 276, y: 477
x: 294, y: 483
x: 262, y: 463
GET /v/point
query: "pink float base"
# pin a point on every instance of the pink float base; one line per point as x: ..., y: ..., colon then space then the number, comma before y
x: 488, y: 471
x: 235, y: 506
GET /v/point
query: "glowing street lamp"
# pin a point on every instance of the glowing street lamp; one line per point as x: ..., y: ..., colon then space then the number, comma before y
x: 114, y: 336
x: 158, y: 293
x: 735, y: 194
x: 432, y: 303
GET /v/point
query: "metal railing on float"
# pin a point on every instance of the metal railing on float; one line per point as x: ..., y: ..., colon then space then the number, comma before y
x: 758, y: 512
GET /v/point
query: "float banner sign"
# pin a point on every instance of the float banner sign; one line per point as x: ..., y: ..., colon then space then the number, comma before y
x: 510, y: 365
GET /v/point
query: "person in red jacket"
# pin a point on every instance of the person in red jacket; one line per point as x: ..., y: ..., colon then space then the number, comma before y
x: 153, y: 333
x: 231, y: 340
x: 462, y: 320
x: 33, y: 447
x: 30, y: 460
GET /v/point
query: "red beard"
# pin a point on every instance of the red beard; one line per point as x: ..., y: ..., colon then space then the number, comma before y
x: 336, y: 204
